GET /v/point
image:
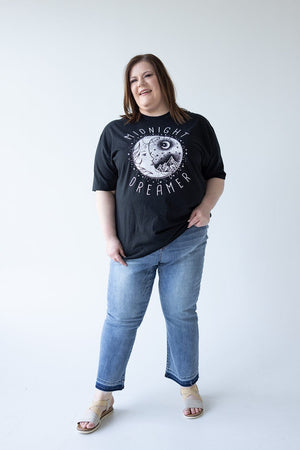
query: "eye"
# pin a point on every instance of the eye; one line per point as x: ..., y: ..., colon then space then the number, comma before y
x: 165, y: 145
x: 131, y: 81
x: 148, y: 75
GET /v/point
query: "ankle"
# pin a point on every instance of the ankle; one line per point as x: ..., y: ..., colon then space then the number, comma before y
x: 189, y: 390
x: 102, y: 395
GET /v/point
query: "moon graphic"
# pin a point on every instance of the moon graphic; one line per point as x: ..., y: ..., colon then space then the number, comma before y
x: 157, y: 156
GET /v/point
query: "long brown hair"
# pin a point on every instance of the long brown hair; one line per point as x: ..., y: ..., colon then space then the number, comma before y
x: 131, y: 109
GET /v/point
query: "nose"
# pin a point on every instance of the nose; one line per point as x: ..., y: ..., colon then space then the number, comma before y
x: 140, y: 82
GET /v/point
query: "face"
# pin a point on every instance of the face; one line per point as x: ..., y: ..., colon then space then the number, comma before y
x: 146, y: 90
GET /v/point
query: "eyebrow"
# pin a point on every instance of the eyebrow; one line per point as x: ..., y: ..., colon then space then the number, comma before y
x: 142, y: 73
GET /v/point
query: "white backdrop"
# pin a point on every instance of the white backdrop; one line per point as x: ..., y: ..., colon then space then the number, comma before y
x: 62, y: 64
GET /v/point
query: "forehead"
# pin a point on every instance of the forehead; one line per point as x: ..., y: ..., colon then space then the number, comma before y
x: 140, y: 67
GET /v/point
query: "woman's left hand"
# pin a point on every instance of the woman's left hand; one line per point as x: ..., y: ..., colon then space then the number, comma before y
x: 199, y: 217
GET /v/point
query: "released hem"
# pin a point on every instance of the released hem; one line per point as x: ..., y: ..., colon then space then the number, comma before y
x: 182, y: 383
x: 102, y: 387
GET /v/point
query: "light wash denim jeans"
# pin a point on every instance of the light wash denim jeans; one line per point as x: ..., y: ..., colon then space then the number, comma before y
x: 180, y: 266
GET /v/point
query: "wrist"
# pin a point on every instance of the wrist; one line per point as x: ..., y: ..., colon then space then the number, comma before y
x: 205, y: 208
x: 110, y: 237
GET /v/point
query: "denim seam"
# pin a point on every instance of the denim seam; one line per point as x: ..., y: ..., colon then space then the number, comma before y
x: 182, y: 382
x: 108, y: 382
x: 183, y: 379
x: 104, y: 387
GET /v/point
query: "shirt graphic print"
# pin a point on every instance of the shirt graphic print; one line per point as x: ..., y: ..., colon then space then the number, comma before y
x: 156, y: 155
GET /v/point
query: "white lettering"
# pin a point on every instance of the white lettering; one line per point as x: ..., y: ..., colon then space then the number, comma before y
x: 132, y: 181
x: 139, y: 187
x: 186, y: 177
x: 129, y: 136
x: 176, y: 131
x: 170, y: 186
x: 159, y: 189
x: 151, y: 130
x: 178, y: 182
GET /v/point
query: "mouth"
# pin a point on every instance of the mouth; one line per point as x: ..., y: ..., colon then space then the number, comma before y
x: 145, y: 92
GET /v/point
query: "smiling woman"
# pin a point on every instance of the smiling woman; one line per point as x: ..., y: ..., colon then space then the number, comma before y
x: 158, y: 172
x: 146, y: 89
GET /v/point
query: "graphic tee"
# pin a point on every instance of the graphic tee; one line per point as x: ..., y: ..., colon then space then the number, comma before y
x: 159, y: 171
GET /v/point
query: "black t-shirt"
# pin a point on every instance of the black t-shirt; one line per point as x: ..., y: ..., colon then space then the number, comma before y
x: 159, y: 170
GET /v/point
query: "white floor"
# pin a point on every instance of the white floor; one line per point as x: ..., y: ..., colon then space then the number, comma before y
x: 150, y: 418
x: 48, y: 368
x: 39, y: 407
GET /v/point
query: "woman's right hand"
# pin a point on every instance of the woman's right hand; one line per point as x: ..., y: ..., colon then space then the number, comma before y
x: 115, y: 250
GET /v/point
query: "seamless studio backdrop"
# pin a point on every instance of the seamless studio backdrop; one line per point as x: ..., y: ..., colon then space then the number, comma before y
x: 236, y: 63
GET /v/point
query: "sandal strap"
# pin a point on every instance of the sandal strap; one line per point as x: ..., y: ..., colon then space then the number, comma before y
x: 95, y: 411
x: 189, y: 390
x: 97, y: 407
x: 191, y: 397
x: 192, y: 402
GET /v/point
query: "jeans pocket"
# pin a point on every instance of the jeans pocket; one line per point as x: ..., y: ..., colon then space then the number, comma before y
x: 202, y: 226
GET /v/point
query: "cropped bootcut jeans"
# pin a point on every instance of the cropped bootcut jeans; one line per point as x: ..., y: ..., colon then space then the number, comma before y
x: 179, y: 266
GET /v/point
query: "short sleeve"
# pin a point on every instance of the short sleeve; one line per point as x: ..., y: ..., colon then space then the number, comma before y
x: 105, y: 171
x: 212, y: 165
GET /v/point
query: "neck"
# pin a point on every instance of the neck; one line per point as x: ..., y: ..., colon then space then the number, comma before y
x: 155, y: 112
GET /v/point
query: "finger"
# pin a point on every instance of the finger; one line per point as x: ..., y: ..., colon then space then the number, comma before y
x: 192, y: 222
x: 120, y: 260
x: 192, y: 219
x: 122, y: 252
x: 193, y: 213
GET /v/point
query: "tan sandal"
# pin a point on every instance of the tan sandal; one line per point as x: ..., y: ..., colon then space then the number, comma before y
x: 95, y: 414
x: 191, y: 399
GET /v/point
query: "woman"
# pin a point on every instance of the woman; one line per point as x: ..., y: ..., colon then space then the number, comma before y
x: 158, y: 173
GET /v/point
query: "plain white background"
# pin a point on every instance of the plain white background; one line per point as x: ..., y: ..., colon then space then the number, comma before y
x: 62, y: 64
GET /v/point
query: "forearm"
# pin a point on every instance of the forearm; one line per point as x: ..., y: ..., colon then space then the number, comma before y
x: 105, y: 204
x: 200, y: 215
x: 214, y: 190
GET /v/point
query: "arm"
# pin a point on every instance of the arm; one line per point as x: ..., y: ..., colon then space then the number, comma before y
x: 105, y: 204
x: 200, y: 215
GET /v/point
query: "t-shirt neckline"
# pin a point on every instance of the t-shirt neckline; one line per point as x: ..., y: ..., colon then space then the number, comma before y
x: 161, y: 116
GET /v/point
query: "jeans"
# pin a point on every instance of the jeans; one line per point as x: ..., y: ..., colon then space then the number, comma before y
x: 179, y: 265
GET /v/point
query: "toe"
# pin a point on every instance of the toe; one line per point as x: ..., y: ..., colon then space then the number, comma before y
x: 192, y: 411
x: 86, y: 425
x: 197, y: 410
